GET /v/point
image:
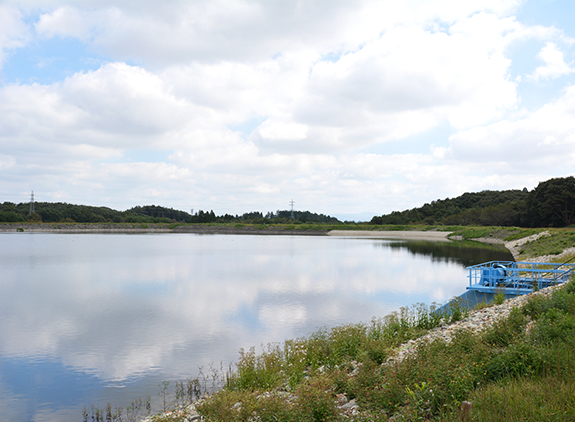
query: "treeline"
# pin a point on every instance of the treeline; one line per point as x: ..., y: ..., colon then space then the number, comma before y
x: 59, y: 212
x: 550, y: 204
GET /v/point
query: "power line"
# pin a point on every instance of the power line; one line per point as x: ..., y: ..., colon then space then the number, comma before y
x: 292, y: 202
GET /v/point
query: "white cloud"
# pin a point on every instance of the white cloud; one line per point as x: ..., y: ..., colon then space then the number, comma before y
x: 13, y: 32
x: 555, y: 65
x: 65, y: 21
x: 408, y: 71
x: 544, y: 138
x: 179, y: 31
x: 7, y: 161
x: 112, y: 109
x: 277, y: 130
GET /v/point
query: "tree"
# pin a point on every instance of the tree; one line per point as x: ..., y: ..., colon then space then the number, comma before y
x: 552, y: 203
x: 10, y: 217
x: 34, y: 218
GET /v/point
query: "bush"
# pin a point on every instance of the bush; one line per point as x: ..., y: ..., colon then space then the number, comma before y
x: 257, y: 372
x: 518, y: 360
x: 507, y: 330
x: 316, y: 401
x: 554, y: 326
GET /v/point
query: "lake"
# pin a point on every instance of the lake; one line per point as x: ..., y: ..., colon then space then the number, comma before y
x: 95, y: 318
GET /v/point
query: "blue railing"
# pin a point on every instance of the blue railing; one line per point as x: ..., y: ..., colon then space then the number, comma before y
x: 511, y: 277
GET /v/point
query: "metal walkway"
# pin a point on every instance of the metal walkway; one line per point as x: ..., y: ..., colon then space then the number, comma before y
x: 516, y: 278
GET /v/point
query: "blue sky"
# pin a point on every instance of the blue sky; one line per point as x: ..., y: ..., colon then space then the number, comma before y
x: 348, y: 108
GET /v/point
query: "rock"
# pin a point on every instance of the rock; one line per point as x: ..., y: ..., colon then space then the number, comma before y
x: 349, y: 405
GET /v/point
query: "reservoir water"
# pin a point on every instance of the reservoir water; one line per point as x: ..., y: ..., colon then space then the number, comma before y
x: 94, y: 318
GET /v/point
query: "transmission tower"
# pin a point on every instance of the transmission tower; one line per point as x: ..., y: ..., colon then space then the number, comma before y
x: 32, y: 209
x: 292, y: 202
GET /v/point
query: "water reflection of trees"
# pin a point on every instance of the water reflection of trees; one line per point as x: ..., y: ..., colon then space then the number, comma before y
x: 460, y: 252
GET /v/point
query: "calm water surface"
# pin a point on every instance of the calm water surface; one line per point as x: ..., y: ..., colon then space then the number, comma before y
x: 95, y: 318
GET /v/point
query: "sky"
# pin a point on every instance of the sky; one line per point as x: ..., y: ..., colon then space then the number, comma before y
x: 348, y: 108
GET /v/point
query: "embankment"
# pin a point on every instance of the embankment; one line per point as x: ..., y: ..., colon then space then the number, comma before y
x: 157, y: 228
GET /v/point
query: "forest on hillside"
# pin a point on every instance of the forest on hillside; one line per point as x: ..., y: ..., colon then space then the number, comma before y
x: 550, y: 204
x: 60, y: 212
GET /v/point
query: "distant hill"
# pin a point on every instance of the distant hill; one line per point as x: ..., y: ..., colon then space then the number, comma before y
x: 550, y: 204
x: 54, y: 212
x: 486, y: 208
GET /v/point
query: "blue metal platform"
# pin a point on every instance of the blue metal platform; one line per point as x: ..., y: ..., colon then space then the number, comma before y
x: 517, y: 278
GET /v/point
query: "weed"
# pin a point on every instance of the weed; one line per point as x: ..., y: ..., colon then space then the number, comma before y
x: 456, y: 310
x: 518, y: 360
x: 499, y: 298
x: 554, y: 326
x: 481, y: 305
x: 138, y: 409
x: 256, y: 372
x: 316, y: 400
x: 545, y: 399
x: 506, y: 331
x: 419, y: 400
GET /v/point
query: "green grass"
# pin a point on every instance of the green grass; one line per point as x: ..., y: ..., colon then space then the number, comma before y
x: 503, y: 233
x: 550, y: 399
x: 554, y: 244
x: 521, y: 233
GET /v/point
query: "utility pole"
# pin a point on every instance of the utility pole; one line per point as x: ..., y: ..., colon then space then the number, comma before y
x: 292, y: 202
x: 32, y: 209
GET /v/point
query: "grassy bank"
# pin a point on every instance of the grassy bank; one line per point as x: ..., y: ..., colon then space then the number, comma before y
x: 551, y: 244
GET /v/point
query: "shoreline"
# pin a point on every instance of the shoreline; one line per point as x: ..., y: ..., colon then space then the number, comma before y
x: 400, y: 234
x: 213, y: 229
x: 149, y: 228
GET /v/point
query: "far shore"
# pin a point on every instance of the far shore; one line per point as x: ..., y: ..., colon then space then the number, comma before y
x: 215, y: 229
x: 154, y: 228
x: 412, y: 235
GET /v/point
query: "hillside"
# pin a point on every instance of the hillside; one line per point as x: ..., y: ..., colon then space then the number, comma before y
x: 550, y: 204
x: 59, y: 212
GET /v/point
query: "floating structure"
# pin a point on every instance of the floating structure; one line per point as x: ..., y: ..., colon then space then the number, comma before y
x: 516, y: 278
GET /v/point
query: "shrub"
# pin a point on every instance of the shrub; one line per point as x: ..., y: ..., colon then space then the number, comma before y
x: 255, y: 372
x: 499, y: 298
x: 316, y: 401
x: 554, y: 326
x: 518, y: 360
x: 507, y: 330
